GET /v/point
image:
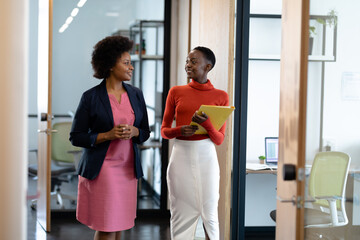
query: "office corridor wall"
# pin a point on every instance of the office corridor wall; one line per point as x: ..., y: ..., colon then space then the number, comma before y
x: 13, y: 95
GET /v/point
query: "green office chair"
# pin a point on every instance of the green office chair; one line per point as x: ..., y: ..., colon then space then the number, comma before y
x: 63, y: 166
x: 327, y: 183
x: 61, y: 147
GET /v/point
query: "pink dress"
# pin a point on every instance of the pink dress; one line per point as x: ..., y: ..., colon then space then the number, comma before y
x: 108, y: 203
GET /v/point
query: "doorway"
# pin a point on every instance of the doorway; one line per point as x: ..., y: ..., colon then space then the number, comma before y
x: 76, y: 29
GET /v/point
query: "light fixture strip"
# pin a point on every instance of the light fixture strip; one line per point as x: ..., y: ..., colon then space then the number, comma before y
x: 81, y: 3
x: 74, y: 12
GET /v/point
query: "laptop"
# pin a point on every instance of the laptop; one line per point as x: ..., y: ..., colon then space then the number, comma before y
x: 271, y: 151
x: 271, y: 155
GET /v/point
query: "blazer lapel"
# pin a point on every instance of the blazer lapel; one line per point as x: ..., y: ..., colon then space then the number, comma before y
x: 104, y: 98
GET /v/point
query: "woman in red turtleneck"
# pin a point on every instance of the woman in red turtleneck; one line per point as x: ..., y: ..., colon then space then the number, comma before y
x: 193, y: 173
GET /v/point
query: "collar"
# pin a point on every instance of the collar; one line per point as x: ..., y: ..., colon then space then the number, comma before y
x: 202, y: 87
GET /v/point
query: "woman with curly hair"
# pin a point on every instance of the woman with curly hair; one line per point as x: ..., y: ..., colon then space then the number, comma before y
x: 110, y: 121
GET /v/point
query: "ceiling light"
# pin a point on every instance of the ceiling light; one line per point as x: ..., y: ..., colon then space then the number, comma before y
x: 63, y: 28
x: 74, y: 12
x: 69, y: 20
x: 81, y: 3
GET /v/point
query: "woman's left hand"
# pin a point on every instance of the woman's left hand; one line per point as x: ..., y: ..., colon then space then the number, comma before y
x: 199, y: 118
x: 128, y: 131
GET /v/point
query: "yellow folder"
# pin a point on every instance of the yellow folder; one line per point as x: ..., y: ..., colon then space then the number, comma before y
x: 216, y: 114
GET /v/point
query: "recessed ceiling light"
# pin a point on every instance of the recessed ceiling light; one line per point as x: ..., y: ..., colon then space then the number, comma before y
x: 63, y: 28
x: 69, y: 20
x: 74, y: 12
x: 81, y: 3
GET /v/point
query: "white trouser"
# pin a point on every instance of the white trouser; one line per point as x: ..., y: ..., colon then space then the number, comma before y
x: 193, y: 177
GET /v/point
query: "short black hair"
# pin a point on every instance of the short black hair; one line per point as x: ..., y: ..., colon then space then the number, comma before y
x: 106, y: 53
x: 208, y: 54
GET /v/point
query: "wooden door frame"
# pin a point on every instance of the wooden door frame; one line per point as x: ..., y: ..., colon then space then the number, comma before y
x: 292, y: 124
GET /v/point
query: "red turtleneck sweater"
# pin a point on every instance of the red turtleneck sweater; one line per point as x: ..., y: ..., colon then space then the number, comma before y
x: 183, y: 101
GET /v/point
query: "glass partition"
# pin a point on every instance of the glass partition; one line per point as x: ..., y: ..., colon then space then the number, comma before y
x: 332, y: 210
x: 77, y: 27
x: 263, y: 110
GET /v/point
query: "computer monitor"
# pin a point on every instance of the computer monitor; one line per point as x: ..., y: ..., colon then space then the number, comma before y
x: 271, y: 150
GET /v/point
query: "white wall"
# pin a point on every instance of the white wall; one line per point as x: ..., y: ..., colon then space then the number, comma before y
x: 341, y: 116
x: 72, y: 71
x: 263, y: 106
x: 264, y: 77
x: 260, y: 199
x: 266, y: 6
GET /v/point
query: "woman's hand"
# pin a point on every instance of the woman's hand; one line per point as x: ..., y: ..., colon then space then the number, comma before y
x: 188, y: 130
x: 121, y: 131
x: 128, y: 131
x: 199, y: 118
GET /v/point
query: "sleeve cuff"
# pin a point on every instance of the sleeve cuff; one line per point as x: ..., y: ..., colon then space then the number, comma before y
x: 93, y: 140
x: 207, y: 125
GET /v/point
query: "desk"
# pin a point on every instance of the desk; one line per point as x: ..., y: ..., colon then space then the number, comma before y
x: 264, y: 171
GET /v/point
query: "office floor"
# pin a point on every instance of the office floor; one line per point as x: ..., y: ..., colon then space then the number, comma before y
x: 64, y: 225
x: 67, y: 227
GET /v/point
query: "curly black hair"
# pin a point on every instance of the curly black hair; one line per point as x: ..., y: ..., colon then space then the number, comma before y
x: 107, y: 52
x: 208, y: 54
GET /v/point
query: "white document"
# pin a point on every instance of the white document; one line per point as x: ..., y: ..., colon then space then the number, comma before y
x: 259, y: 166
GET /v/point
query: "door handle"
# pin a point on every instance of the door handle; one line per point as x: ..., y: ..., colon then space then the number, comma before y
x: 48, y: 131
x: 292, y: 200
x: 299, y: 201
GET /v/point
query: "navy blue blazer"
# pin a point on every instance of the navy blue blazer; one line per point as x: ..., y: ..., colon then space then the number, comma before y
x: 93, y: 116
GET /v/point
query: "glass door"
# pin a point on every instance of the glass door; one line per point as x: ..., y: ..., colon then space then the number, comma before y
x: 72, y: 74
x: 332, y: 188
x: 262, y: 111
x: 148, y: 60
x: 318, y: 185
x: 72, y: 43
